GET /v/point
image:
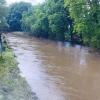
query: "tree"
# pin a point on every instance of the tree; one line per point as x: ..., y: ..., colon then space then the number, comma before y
x: 58, y: 19
x: 36, y: 22
x: 57, y: 24
x: 15, y: 15
x: 47, y: 20
x: 26, y: 21
x: 3, y: 11
x: 40, y: 25
x: 86, y: 15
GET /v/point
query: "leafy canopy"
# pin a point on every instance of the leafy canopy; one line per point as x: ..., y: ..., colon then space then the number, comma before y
x: 3, y: 12
x: 86, y: 15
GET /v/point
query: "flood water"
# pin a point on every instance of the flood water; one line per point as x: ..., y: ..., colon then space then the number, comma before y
x: 57, y: 71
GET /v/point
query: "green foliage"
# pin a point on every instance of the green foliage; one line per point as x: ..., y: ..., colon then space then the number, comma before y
x: 36, y: 22
x: 58, y: 18
x: 26, y: 22
x: 78, y: 21
x: 86, y: 15
x: 15, y: 15
x: 3, y: 11
x: 58, y: 26
x: 48, y: 20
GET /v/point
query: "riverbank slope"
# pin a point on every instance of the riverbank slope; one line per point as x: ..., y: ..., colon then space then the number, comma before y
x: 12, y: 85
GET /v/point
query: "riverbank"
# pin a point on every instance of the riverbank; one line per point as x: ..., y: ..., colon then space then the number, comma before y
x: 12, y: 85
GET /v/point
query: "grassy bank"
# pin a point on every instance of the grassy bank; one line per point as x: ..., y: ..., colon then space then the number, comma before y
x: 12, y: 86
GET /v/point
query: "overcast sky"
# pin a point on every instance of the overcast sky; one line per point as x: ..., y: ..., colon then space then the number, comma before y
x: 34, y: 2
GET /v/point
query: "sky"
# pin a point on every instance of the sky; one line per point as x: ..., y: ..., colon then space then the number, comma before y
x: 34, y: 2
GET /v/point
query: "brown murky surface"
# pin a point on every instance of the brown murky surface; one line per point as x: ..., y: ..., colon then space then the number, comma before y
x: 58, y: 71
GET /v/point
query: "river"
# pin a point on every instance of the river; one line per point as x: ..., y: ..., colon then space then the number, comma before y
x: 56, y: 70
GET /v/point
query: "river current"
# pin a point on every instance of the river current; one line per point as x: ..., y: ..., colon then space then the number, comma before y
x: 56, y: 70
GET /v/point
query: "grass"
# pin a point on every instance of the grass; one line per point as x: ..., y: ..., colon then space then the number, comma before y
x: 12, y: 85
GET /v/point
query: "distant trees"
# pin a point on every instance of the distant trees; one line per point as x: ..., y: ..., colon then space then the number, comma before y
x: 58, y: 18
x: 49, y: 20
x: 73, y: 20
x: 3, y: 13
x: 15, y: 15
x: 86, y: 15
x: 36, y: 22
x: 58, y: 26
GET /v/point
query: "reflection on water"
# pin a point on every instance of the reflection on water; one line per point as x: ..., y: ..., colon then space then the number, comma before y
x: 58, y: 71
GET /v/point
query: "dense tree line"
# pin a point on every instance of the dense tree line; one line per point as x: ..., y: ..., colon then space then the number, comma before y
x: 48, y: 20
x: 3, y: 14
x: 86, y: 15
x: 15, y: 15
x: 72, y: 20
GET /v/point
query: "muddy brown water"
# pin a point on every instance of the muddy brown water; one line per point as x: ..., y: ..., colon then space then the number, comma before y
x: 57, y: 71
